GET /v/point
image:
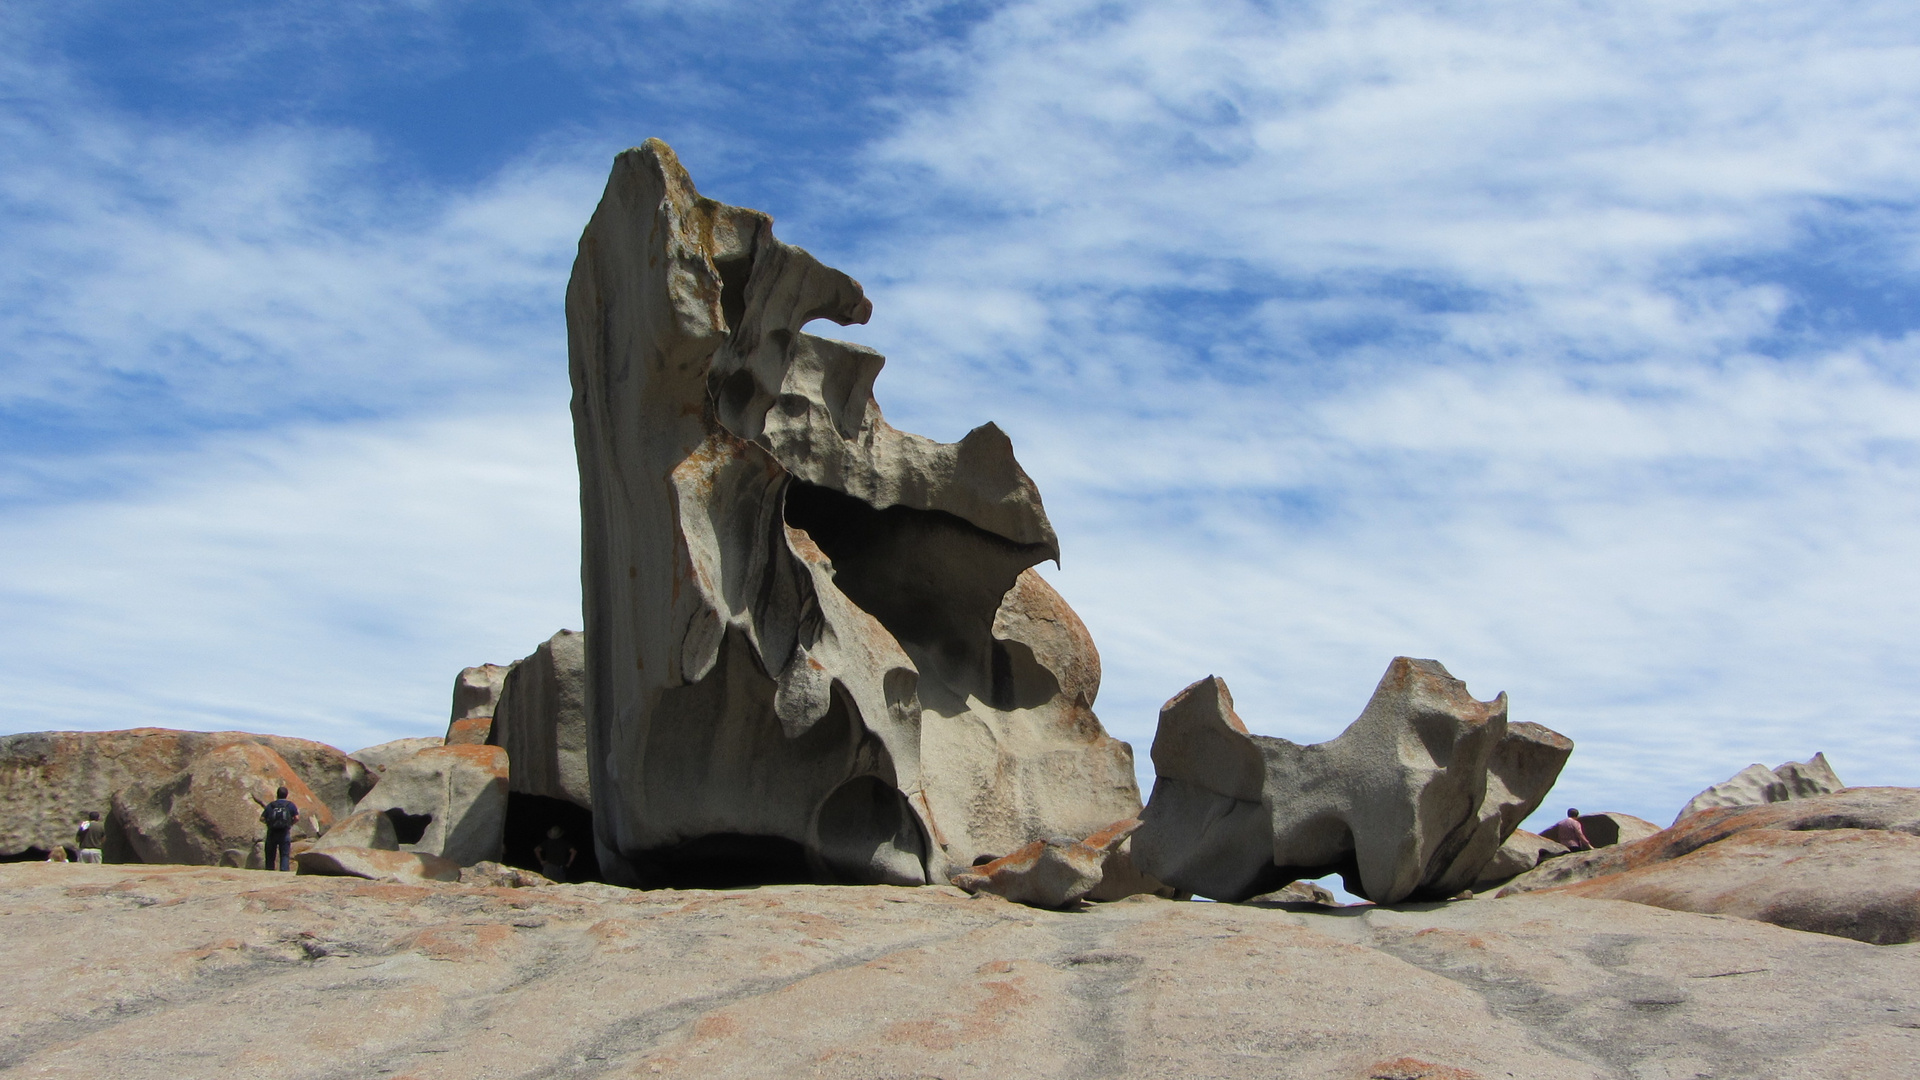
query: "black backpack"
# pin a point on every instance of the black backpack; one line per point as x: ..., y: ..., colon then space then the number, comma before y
x: 279, y: 815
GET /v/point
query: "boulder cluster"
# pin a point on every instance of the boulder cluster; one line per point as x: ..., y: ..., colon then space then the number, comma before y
x: 816, y: 650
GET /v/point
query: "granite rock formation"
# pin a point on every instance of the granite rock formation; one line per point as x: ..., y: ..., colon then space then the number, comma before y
x: 1884, y: 809
x: 1518, y: 854
x: 449, y: 801
x: 476, y: 693
x: 1611, y: 827
x: 212, y: 807
x: 50, y: 779
x: 1413, y: 800
x: 399, y: 867
x: 377, y: 758
x: 1052, y: 873
x: 361, y: 829
x: 1757, y: 784
x: 815, y: 646
x: 541, y: 721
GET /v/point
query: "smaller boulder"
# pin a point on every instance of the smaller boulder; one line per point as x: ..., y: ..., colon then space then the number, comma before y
x: 377, y: 758
x: 1610, y: 828
x: 1756, y: 785
x: 456, y: 796
x: 361, y: 829
x: 1299, y: 892
x: 476, y: 690
x: 498, y: 876
x: 404, y: 867
x: 1049, y: 873
x: 1520, y: 853
x: 470, y: 731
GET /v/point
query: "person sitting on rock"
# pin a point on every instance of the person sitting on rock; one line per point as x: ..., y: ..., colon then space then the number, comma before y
x: 556, y: 854
x: 279, y: 816
x: 90, y: 838
x: 1569, y: 833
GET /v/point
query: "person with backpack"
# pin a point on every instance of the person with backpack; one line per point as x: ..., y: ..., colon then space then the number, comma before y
x: 90, y: 838
x: 280, y: 816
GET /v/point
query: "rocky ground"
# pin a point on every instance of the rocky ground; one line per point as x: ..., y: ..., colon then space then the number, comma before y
x: 148, y: 971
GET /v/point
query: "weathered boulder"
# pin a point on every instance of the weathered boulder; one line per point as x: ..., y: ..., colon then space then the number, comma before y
x: 1520, y: 853
x: 361, y: 829
x: 377, y: 758
x: 1051, y: 873
x: 1298, y: 892
x: 1414, y: 799
x: 1888, y: 809
x: 1758, y: 784
x: 815, y: 648
x: 1608, y: 828
x: 447, y: 800
x: 1862, y: 884
x: 403, y: 867
x: 541, y: 721
x: 476, y: 690
x: 496, y: 876
x: 469, y: 731
x: 212, y: 807
x: 50, y: 779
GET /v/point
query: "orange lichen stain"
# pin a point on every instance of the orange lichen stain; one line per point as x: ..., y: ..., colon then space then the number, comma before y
x: 272, y: 900
x: 780, y: 959
x: 715, y: 1026
x: 382, y: 890
x: 985, y: 1019
x: 209, y: 949
x: 995, y: 967
x: 1406, y: 1068
x: 1472, y: 941
x: 457, y: 942
x: 608, y: 930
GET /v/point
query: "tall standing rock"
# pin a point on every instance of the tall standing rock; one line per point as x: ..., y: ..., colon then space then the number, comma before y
x: 541, y: 721
x: 814, y: 644
x: 476, y: 694
x: 1413, y: 800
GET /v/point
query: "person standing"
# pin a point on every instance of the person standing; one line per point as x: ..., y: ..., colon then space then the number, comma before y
x: 1569, y: 833
x: 556, y: 855
x: 91, y: 838
x: 280, y: 816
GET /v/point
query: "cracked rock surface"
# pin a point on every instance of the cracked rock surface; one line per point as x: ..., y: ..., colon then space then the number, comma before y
x: 149, y: 972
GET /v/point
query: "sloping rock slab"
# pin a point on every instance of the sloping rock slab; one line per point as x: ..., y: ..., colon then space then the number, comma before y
x: 1891, y: 809
x: 448, y: 981
x: 1611, y: 827
x: 1854, y: 883
x: 1757, y: 784
x: 404, y: 867
x: 1520, y: 853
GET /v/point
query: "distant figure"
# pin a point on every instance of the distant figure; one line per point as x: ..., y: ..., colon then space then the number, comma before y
x: 58, y: 854
x: 1569, y: 833
x: 556, y: 854
x: 280, y: 816
x: 91, y: 836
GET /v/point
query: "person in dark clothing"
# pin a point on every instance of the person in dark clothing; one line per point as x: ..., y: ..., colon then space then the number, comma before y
x: 280, y: 816
x: 90, y: 838
x: 556, y: 854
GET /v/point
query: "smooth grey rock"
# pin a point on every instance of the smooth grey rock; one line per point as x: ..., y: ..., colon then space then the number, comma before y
x: 362, y: 829
x: 814, y: 644
x: 461, y: 790
x: 49, y: 780
x: 1413, y: 800
x: 1757, y: 784
x: 1518, y: 854
x: 377, y: 758
x: 400, y: 867
x: 1051, y: 873
x: 476, y: 690
x: 541, y: 720
x: 1298, y: 892
x: 1610, y: 827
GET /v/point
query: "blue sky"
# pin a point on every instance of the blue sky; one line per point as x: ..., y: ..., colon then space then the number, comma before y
x: 1571, y: 344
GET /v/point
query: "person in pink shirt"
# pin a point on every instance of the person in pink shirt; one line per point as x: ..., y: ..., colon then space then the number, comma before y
x: 1568, y: 833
